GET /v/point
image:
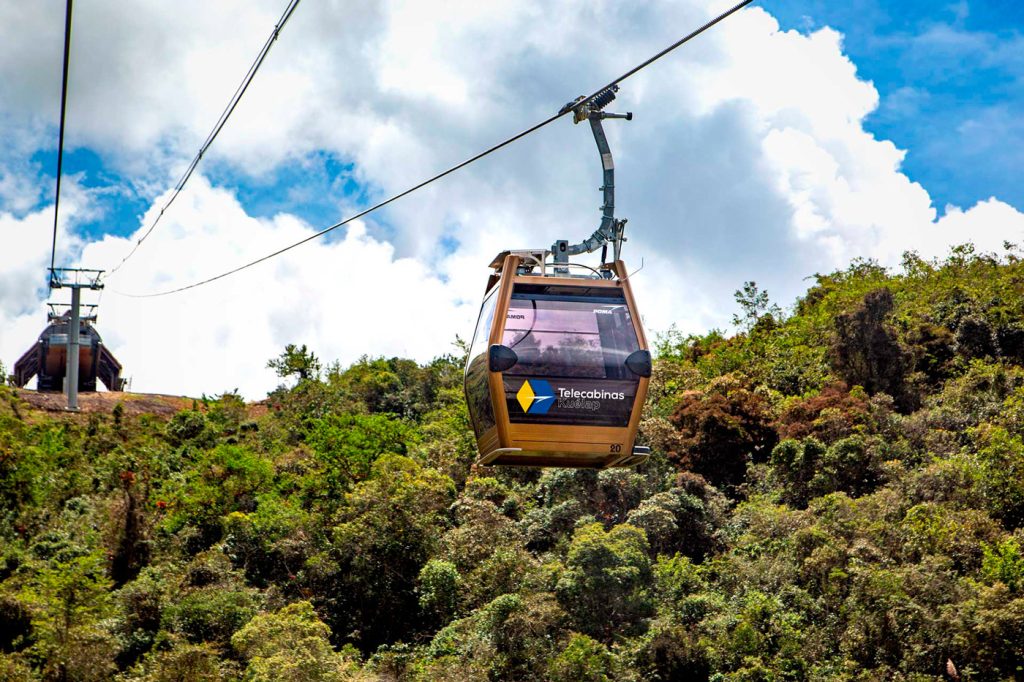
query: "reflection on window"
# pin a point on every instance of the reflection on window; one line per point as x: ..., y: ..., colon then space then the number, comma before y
x: 570, y: 335
x: 477, y: 391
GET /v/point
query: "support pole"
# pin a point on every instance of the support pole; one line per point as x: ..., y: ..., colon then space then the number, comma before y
x: 75, y: 279
x: 610, y: 230
x: 72, y: 373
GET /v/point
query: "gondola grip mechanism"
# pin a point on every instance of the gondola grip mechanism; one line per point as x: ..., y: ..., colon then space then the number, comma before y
x: 610, y: 230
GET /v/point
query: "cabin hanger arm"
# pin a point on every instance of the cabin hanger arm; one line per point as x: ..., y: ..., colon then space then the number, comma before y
x: 611, y: 229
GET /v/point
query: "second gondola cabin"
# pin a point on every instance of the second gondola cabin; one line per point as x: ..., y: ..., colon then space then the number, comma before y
x: 558, y: 367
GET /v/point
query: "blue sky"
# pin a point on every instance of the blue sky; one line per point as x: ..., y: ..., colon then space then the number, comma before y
x: 951, y: 80
x: 312, y: 188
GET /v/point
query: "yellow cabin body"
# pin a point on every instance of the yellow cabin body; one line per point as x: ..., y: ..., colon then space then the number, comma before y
x: 558, y: 368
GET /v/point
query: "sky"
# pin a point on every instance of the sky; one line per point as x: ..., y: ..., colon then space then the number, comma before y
x: 790, y: 139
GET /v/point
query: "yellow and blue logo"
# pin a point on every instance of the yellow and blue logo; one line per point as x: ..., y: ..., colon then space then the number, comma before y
x: 536, y: 396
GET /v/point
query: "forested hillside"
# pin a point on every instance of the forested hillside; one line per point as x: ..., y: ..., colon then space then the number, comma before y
x: 836, y: 492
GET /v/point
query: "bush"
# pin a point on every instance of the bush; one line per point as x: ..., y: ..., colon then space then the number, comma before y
x: 439, y: 590
x: 721, y: 430
x: 866, y: 351
x: 291, y: 645
x: 583, y: 660
x: 213, y: 614
x: 188, y: 426
x: 604, y: 586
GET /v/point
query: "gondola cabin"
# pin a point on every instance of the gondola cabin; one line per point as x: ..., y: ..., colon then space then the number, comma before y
x: 47, y: 358
x: 558, y: 367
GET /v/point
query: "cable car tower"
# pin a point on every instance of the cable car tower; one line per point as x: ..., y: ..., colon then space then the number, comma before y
x: 69, y: 353
x: 559, y: 365
x: 59, y: 354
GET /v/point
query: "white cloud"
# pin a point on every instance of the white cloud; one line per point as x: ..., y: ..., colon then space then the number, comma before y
x: 748, y: 159
x: 343, y: 298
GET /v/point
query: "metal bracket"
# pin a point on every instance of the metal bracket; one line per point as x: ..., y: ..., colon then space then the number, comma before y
x: 610, y: 230
x: 75, y: 278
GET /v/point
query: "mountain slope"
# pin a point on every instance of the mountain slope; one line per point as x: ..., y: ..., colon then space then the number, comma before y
x: 834, y: 493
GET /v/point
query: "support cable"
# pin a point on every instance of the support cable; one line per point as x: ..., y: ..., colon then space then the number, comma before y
x: 565, y: 110
x: 228, y: 110
x: 60, y: 140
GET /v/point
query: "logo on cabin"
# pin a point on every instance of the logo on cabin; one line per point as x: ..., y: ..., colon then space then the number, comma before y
x: 536, y: 396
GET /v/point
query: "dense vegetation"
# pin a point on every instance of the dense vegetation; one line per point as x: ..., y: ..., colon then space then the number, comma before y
x: 834, y: 493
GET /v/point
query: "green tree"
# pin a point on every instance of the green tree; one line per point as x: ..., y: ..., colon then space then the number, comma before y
x: 291, y: 645
x: 866, y: 351
x: 1002, y: 459
x: 349, y: 444
x: 604, y: 586
x: 514, y: 637
x: 685, y: 518
x: 754, y: 304
x: 390, y: 528
x: 583, y: 660
x: 439, y: 590
x: 296, y: 361
x: 183, y: 661
x: 1004, y: 562
x: 213, y: 614
x: 68, y: 600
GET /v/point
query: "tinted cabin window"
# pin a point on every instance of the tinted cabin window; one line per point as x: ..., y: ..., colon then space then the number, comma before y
x: 478, y: 395
x: 572, y: 344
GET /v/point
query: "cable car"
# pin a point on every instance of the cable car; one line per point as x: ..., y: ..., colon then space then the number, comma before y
x: 558, y: 367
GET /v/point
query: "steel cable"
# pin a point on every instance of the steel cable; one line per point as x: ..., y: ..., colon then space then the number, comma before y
x: 228, y: 110
x: 565, y: 110
x: 60, y: 141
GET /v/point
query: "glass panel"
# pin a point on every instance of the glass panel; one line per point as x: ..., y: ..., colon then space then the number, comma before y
x: 572, y: 344
x: 478, y: 396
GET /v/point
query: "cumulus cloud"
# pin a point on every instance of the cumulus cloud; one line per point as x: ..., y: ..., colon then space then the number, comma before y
x: 748, y: 159
x: 344, y: 298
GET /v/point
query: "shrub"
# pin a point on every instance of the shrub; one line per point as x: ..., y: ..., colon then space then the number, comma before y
x: 188, y: 426
x: 1004, y: 562
x: 439, y: 590
x: 721, y: 430
x: 583, y: 660
x: 291, y: 645
x: 866, y: 352
x: 604, y: 585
